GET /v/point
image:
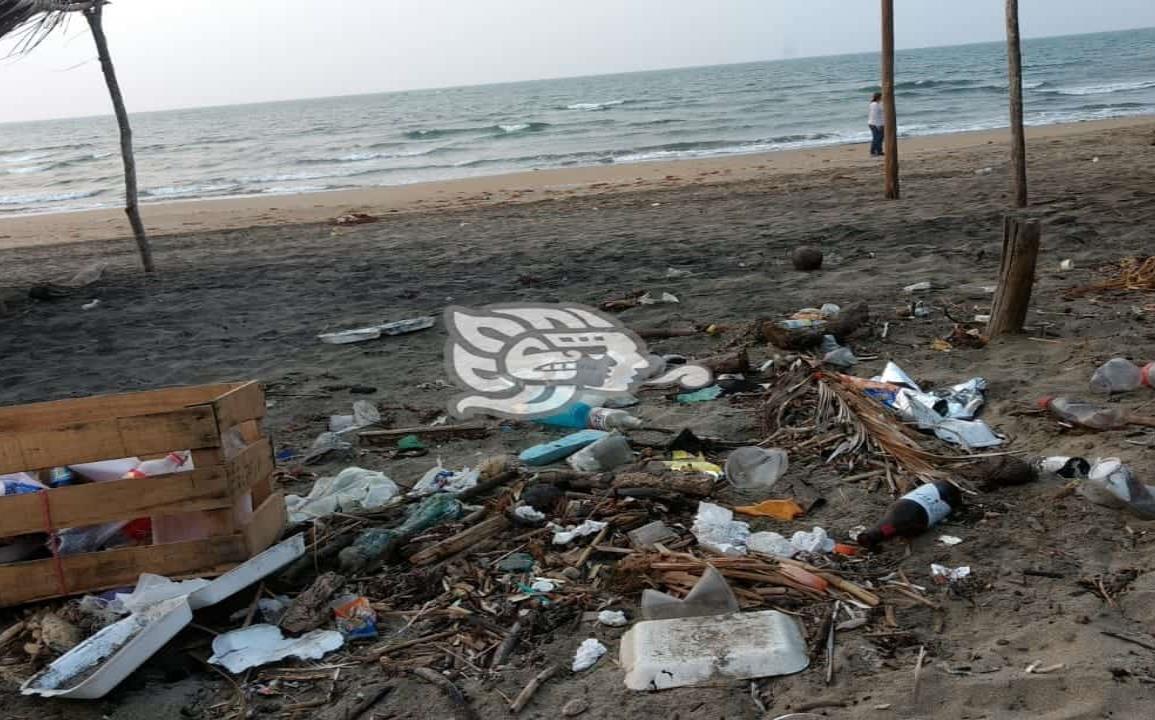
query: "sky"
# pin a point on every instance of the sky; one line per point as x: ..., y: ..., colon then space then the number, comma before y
x: 221, y: 52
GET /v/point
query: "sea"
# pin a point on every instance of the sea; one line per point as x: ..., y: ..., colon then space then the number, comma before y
x: 428, y: 135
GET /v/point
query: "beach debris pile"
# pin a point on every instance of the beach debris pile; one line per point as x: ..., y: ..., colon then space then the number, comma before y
x: 612, y: 537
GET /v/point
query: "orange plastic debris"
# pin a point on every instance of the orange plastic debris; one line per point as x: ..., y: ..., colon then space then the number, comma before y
x: 777, y: 509
x: 847, y: 550
x: 804, y: 577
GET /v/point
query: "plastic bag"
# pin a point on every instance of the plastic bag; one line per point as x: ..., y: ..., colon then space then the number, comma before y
x: 352, y: 489
x: 440, y: 480
x: 716, y: 530
x: 1112, y: 484
x: 20, y: 484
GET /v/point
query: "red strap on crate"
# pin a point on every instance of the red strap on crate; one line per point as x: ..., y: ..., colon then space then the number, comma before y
x: 53, y: 542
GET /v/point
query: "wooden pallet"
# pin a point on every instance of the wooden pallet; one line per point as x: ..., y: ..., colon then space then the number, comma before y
x: 68, y: 432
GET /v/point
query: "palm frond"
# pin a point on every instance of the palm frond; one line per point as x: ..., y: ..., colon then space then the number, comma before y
x: 30, y: 21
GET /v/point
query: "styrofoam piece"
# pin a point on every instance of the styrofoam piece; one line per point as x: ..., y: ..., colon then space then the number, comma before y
x: 248, y: 573
x: 258, y: 645
x: 661, y: 654
x: 115, y: 652
x: 119, y: 649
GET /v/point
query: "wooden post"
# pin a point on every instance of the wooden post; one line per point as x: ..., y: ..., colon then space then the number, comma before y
x: 891, y: 160
x: 1015, y: 76
x: 1016, y: 276
x: 94, y: 16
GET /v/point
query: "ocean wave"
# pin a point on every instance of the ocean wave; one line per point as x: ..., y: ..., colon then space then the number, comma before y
x: 509, y: 129
x: 42, y: 198
x: 26, y: 170
x: 1103, y: 89
x: 593, y: 106
x: 361, y: 157
x: 14, y: 158
x: 177, y: 191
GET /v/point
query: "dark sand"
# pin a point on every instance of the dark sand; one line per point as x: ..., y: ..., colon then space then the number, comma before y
x: 248, y: 304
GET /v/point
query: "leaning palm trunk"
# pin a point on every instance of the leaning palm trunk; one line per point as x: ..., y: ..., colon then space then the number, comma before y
x: 131, y: 204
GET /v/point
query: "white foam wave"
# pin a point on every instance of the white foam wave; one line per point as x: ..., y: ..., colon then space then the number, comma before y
x: 1105, y: 88
x: 25, y: 170
x: 595, y: 106
x: 518, y: 127
x: 46, y: 197
x: 23, y: 157
x: 173, y: 191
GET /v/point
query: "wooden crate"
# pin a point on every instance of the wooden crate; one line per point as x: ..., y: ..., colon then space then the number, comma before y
x: 144, y: 424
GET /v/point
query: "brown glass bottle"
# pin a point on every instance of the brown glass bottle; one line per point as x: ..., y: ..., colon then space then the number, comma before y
x: 914, y: 513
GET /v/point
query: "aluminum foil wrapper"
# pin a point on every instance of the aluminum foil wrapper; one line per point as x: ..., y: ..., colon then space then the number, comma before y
x: 963, y: 401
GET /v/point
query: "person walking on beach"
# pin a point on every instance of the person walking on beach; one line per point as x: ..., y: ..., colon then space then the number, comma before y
x: 877, y: 124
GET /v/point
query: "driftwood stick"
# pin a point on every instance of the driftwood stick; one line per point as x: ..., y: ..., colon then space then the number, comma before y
x: 918, y: 670
x: 460, y: 541
x: 389, y: 648
x: 531, y: 689
x: 1141, y: 642
x: 510, y: 642
x: 484, y: 487
x: 372, y: 696
x: 462, y: 708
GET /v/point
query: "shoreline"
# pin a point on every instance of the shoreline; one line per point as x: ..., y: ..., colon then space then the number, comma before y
x: 215, y: 214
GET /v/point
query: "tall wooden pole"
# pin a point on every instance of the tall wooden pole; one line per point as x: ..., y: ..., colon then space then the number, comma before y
x: 94, y: 16
x: 1015, y: 77
x: 891, y: 160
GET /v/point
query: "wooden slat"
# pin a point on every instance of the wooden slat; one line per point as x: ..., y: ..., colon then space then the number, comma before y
x: 250, y: 466
x: 47, y: 415
x: 246, y: 402
x: 267, y: 524
x: 186, y: 429
x: 95, y: 503
x: 90, y: 572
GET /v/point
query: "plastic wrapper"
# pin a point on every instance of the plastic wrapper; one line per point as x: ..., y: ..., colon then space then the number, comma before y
x: 568, y: 535
x: 258, y: 645
x: 948, y: 413
x: 1112, y: 484
x: 440, y: 480
x: 587, y: 655
x: 356, y: 618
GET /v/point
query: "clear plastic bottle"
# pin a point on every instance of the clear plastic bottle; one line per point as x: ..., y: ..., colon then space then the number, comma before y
x: 1085, y: 414
x: 607, y: 419
x: 1120, y: 375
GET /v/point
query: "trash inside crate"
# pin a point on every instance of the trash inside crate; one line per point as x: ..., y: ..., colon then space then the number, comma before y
x: 98, y: 490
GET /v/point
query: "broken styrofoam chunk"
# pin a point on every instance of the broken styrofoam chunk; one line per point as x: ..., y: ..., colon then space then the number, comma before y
x: 152, y: 589
x: 565, y: 537
x: 613, y: 618
x: 587, y: 655
x: 716, y: 530
x: 949, y: 540
x: 661, y: 654
x: 258, y: 645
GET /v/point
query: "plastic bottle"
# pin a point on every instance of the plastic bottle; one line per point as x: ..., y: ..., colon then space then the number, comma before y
x: 914, y: 513
x: 1119, y: 375
x: 172, y: 463
x: 604, y: 455
x: 582, y: 415
x: 1112, y: 484
x: 1085, y: 414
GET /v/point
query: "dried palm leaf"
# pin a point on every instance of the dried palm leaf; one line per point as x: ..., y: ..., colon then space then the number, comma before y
x: 1134, y: 275
x: 30, y: 21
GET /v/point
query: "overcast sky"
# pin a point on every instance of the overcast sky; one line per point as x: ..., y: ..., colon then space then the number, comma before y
x: 216, y: 52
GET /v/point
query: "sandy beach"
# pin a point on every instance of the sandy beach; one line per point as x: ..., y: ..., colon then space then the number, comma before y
x: 194, y: 216
x: 246, y: 285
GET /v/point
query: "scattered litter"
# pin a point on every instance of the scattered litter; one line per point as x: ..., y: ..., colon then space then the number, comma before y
x: 1112, y: 484
x: 602, y: 455
x: 374, y: 332
x: 543, y: 586
x: 948, y: 413
x: 365, y: 414
x: 440, y: 480
x: 91, y: 305
x: 772, y: 544
x: 755, y: 468
x: 587, y: 655
x: 565, y: 537
x: 355, y: 218
x: 706, y: 394
x: 517, y: 562
x: 1066, y: 265
x: 529, y: 515
x: 813, y: 541
x: 351, y: 490
x: 356, y: 618
x: 648, y: 535
x: 950, y: 540
x: 258, y: 645
x: 558, y: 450
x: 326, y: 443
x: 613, y: 618
x: 777, y: 509
x: 945, y: 575
x: 711, y: 595
x: 716, y: 530
x: 662, y: 654
x: 918, y: 288
x: 663, y: 299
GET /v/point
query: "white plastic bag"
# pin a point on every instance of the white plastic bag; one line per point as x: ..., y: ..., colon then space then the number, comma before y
x: 440, y: 480
x: 352, y: 489
x: 717, y: 530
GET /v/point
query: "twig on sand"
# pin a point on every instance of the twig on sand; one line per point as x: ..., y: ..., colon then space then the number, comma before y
x: 1141, y: 642
x: 531, y: 689
x: 462, y: 707
x: 918, y: 670
x: 371, y: 697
